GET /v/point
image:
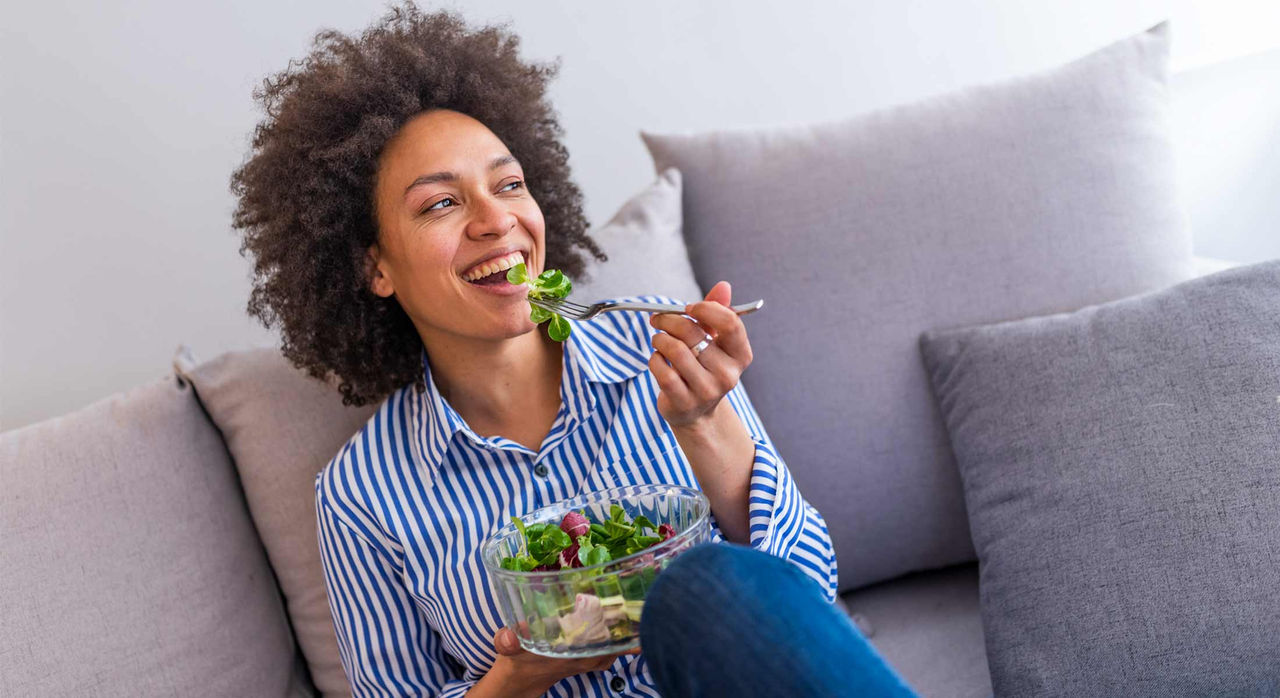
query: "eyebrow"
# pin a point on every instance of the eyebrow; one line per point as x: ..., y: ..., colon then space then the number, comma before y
x: 451, y: 177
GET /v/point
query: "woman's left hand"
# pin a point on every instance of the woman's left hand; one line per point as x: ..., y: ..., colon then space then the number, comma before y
x: 691, y: 386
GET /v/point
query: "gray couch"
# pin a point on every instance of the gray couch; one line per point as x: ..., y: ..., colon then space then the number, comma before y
x: 133, y: 563
x: 161, y: 541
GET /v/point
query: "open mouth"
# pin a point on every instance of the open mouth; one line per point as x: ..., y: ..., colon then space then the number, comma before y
x: 497, y: 278
x: 494, y: 272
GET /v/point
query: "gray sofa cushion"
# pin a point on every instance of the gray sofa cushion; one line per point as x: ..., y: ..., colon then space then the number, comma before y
x: 1036, y: 195
x: 282, y: 427
x: 128, y: 563
x: 1122, y: 477
x: 927, y: 626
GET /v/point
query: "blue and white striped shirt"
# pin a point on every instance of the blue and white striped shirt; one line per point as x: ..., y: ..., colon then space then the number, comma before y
x: 403, y: 508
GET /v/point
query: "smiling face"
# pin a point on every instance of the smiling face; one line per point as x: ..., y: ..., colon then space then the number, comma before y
x: 452, y: 203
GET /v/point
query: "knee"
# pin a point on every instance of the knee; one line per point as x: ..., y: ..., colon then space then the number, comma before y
x: 715, y: 556
x: 708, y: 561
x: 709, y: 570
x: 691, y: 576
x: 696, y: 581
x: 731, y: 572
x: 726, y: 561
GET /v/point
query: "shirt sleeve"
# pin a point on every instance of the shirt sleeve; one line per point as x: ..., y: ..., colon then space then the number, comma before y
x: 781, y: 522
x: 386, y: 646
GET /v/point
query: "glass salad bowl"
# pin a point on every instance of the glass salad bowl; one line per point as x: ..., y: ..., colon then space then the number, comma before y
x: 593, y: 609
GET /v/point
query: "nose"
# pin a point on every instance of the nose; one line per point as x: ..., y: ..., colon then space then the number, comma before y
x: 490, y: 218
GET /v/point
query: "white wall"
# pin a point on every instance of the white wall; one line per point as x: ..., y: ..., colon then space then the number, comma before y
x: 120, y: 123
x: 1227, y: 128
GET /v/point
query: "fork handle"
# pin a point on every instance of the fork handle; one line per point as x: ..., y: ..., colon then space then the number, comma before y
x: 742, y: 309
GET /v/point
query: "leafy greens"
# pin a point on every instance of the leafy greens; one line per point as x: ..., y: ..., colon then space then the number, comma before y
x: 546, y: 547
x: 551, y: 283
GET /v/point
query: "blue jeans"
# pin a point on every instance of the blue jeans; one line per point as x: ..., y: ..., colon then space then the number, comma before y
x: 727, y: 620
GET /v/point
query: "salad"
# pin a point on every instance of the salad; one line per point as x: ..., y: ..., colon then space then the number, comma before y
x: 551, y: 283
x: 578, y: 543
x: 604, y: 607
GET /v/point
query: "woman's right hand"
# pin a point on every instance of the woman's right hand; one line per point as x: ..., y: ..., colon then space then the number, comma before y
x: 523, y: 673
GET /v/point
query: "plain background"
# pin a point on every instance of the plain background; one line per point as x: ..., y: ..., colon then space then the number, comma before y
x: 121, y: 122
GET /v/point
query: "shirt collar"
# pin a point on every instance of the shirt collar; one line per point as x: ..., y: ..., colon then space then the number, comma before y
x: 602, y: 351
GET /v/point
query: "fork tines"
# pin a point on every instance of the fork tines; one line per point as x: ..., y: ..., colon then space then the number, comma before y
x: 555, y: 303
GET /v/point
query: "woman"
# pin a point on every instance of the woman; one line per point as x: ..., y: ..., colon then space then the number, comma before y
x: 392, y: 172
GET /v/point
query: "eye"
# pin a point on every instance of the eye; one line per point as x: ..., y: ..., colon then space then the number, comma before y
x: 516, y: 183
x: 436, y: 205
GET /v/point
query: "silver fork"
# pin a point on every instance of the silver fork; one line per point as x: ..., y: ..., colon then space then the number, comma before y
x: 577, y: 311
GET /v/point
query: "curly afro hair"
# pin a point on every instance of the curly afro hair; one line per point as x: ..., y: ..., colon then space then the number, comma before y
x: 306, y: 191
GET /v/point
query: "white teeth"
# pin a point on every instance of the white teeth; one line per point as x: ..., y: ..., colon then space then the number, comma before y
x: 496, y: 265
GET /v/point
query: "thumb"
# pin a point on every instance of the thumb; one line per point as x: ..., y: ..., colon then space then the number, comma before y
x: 720, y: 293
x: 505, y: 642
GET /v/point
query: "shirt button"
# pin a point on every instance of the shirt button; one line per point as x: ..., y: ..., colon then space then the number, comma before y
x: 540, y: 470
x: 617, y: 684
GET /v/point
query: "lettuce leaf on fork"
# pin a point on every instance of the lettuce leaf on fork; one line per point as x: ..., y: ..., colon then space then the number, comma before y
x: 551, y: 283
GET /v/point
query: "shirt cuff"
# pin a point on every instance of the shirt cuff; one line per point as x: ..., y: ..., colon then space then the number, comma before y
x: 774, y: 505
x: 781, y: 522
x: 456, y: 689
x: 775, y: 508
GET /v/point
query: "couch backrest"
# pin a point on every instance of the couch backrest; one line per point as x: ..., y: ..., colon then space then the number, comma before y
x: 1036, y: 195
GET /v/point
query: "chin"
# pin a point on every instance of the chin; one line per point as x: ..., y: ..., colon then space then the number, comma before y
x: 523, y: 327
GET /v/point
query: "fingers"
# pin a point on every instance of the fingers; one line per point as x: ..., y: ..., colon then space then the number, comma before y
x: 720, y: 293
x: 694, y: 376
x: 674, y: 398
x: 686, y: 329
x: 727, y: 328
x: 506, y: 643
x: 711, y: 374
x: 718, y: 375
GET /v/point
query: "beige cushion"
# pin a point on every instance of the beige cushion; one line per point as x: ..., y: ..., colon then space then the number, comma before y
x: 128, y: 563
x: 645, y: 244
x: 282, y: 427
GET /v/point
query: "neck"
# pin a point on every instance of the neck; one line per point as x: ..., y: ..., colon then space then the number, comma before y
x: 497, y: 382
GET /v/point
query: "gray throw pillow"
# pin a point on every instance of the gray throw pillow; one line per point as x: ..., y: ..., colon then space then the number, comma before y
x: 1036, y: 195
x: 1121, y: 468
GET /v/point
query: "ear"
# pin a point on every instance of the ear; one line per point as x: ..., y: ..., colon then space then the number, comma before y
x: 379, y: 282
